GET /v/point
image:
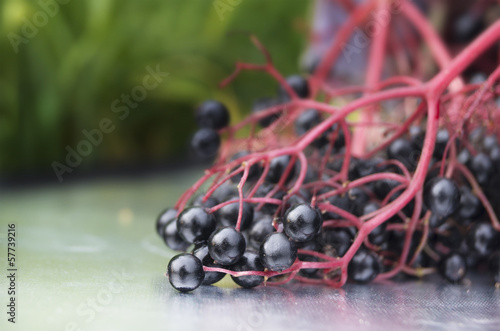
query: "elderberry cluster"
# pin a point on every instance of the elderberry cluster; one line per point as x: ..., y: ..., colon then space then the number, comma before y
x: 269, y: 227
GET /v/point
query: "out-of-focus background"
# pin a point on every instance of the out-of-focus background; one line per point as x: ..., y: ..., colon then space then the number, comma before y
x: 67, y: 65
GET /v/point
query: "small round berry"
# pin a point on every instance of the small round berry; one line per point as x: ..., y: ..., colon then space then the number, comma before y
x: 302, y: 222
x: 494, y: 266
x: 299, y: 84
x: 195, y: 224
x: 483, y: 239
x: 277, y: 167
x: 211, y: 277
x: 163, y: 219
x: 364, y: 266
x: 470, y: 206
x: 171, y: 236
x: 277, y: 252
x: 404, y: 151
x: 209, y: 203
x: 453, y: 267
x: 441, y: 196
x: 336, y: 242
x: 482, y: 167
x: 253, y: 172
x: 442, y: 138
x: 490, y: 142
x: 205, y: 143
x: 185, y: 272
x: 262, y: 226
x: 306, y: 121
x: 250, y: 261
x: 212, y: 114
x: 226, y: 245
x: 228, y: 215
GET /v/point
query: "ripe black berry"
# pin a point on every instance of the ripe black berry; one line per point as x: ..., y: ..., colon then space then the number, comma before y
x: 212, y: 114
x: 185, y: 272
x: 441, y: 196
x: 228, y: 215
x: 163, y: 219
x: 364, y: 266
x: 195, y: 224
x: 470, y: 206
x: 453, y: 267
x: 250, y: 261
x: 277, y: 167
x: 209, y: 203
x: 277, y: 252
x: 306, y: 121
x: 298, y: 84
x: 226, y: 245
x: 404, y: 151
x: 482, y: 167
x: 336, y: 241
x: 171, y: 236
x: 205, y: 143
x: 262, y: 226
x: 253, y: 172
x: 302, y: 222
x: 482, y: 239
x: 442, y: 138
x: 211, y: 277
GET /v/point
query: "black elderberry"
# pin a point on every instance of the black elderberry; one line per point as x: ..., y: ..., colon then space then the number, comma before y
x: 482, y: 167
x: 163, y: 219
x: 250, y: 261
x: 482, y: 238
x: 212, y: 114
x: 404, y: 151
x: 470, y: 206
x: 277, y: 167
x: 490, y: 142
x: 209, y: 203
x: 195, y: 224
x: 299, y: 84
x: 228, y: 215
x: 453, y: 267
x: 364, y: 266
x: 253, y: 172
x: 302, y: 222
x: 261, y: 227
x: 226, y: 245
x: 211, y: 277
x: 277, y: 252
x: 442, y: 138
x: 185, y: 272
x: 306, y: 121
x: 205, y: 143
x: 441, y: 196
x: 336, y: 242
x: 172, y: 238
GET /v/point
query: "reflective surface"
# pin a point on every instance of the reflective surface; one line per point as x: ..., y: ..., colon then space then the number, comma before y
x: 89, y: 260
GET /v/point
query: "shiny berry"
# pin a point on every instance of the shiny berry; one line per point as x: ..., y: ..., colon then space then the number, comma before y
x: 262, y: 226
x: 470, y: 206
x: 302, y: 222
x: 228, y: 215
x: 364, y: 266
x: 277, y: 252
x: 442, y: 138
x: 163, y: 219
x: 299, y: 84
x: 171, y: 236
x: 205, y: 143
x: 211, y: 277
x: 253, y: 172
x: 482, y: 167
x: 212, y: 114
x: 277, y: 168
x: 441, y: 196
x: 226, y: 245
x: 185, y: 272
x: 404, y: 151
x: 195, y: 224
x: 336, y: 242
x: 453, y: 267
x: 482, y: 238
x: 250, y: 261
x: 208, y: 203
x: 306, y: 121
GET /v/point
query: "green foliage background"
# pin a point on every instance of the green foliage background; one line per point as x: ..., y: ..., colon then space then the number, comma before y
x: 64, y: 79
